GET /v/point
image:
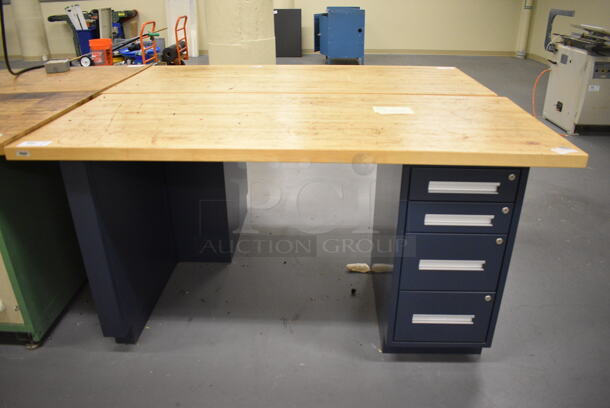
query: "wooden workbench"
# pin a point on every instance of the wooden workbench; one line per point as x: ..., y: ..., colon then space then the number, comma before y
x: 156, y: 179
x: 40, y: 262
x: 297, y: 127
x: 309, y: 79
x: 35, y: 98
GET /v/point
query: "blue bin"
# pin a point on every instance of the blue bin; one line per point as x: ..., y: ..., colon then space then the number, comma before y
x: 83, y: 41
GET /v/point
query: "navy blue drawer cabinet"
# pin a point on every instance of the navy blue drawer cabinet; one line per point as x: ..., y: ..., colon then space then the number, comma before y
x: 449, y: 257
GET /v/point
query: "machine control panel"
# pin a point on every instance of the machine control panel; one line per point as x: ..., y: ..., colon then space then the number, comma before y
x: 601, y: 70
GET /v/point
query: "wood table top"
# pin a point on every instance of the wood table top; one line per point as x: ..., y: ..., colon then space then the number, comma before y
x: 313, y: 79
x: 35, y: 98
x: 272, y: 127
x: 77, y: 79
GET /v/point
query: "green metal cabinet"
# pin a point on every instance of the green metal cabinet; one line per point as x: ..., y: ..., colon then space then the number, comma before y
x: 40, y: 263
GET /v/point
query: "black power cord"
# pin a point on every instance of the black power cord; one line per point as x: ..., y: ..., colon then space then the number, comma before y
x: 4, y: 49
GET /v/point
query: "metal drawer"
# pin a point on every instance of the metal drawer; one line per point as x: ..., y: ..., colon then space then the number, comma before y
x: 452, y: 262
x: 485, y: 218
x: 445, y: 317
x: 458, y: 184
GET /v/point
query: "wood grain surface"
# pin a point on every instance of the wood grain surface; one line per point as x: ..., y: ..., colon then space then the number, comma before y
x: 339, y: 128
x: 313, y: 79
x: 24, y: 112
x: 36, y: 98
x: 77, y: 79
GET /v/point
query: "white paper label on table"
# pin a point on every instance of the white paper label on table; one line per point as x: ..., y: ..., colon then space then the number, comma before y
x: 563, y: 150
x: 35, y: 143
x: 594, y: 88
x: 393, y: 110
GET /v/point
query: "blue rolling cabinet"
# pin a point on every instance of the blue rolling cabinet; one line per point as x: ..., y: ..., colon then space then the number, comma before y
x: 447, y: 235
x: 339, y: 33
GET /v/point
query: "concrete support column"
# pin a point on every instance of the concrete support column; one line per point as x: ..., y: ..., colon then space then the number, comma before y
x: 30, y: 30
x: 283, y: 4
x: 524, y: 28
x: 240, y: 32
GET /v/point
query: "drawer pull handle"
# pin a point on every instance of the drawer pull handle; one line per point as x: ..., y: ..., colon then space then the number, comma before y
x: 442, y: 319
x: 450, y: 265
x: 462, y: 187
x: 459, y: 220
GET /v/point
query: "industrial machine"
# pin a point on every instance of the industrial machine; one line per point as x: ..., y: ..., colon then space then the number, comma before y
x: 339, y: 33
x: 104, y: 23
x: 578, y: 93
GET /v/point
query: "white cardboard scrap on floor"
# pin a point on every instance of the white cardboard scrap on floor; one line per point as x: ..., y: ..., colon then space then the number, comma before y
x: 358, y: 267
x: 364, y: 268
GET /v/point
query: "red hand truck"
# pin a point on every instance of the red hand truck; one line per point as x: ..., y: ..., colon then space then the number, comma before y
x: 182, y: 47
x: 144, y: 49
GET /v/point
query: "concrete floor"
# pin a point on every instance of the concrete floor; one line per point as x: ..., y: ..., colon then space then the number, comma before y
x: 283, y: 331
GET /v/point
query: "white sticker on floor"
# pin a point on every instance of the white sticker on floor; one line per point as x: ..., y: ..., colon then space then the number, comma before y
x: 393, y: 110
x: 35, y: 143
x: 563, y: 150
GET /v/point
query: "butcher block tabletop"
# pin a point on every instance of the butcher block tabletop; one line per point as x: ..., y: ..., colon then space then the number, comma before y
x: 310, y: 79
x: 299, y: 127
x: 35, y: 97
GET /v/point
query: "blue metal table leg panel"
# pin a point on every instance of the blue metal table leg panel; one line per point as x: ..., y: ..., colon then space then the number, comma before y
x: 122, y: 219
x: 208, y: 204
x: 135, y: 221
x: 510, y: 243
x: 388, y: 227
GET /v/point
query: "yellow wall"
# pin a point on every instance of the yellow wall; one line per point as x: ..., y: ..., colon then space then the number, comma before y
x: 452, y: 25
x: 392, y: 25
x: 11, y: 33
x: 469, y: 26
x: 594, y: 12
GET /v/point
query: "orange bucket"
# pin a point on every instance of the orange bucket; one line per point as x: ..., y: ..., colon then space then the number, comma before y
x: 101, y: 51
